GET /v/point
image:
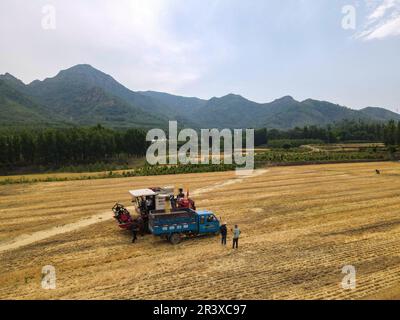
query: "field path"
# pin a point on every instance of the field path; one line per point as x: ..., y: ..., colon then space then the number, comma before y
x: 27, y: 239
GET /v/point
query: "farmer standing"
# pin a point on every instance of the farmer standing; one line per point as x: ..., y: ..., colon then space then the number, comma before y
x: 224, y: 231
x: 236, y: 234
x: 135, y: 229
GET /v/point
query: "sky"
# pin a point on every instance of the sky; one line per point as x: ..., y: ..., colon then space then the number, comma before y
x: 343, y: 51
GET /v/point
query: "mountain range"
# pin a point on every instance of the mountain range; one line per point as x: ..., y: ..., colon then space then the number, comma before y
x: 83, y: 95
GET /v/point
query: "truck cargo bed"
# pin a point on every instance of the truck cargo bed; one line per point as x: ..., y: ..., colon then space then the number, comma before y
x: 184, y: 220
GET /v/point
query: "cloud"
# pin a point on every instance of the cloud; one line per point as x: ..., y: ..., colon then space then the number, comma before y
x: 382, y: 21
x: 145, y: 49
x: 380, y: 11
x: 137, y: 40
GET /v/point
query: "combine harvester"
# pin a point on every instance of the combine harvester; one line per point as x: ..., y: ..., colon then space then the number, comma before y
x: 161, y: 214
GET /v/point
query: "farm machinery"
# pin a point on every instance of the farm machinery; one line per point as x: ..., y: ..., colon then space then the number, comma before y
x: 147, y: 201
x: 160, y: 213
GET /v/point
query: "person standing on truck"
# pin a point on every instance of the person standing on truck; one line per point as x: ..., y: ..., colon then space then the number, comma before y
x: 236, y: 234
x: 224, y: 231
x: 180, y: 195
x: 173, y: 201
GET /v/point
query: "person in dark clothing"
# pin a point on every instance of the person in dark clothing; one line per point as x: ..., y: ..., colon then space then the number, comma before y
x: 142, y: 205
x: 224, y: 231
x: 149, y: 204
x: 173, y: 201
x: 180, y: 195
x: 135, y: 229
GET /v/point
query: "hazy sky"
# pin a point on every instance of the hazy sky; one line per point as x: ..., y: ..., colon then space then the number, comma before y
x: 261, y: 49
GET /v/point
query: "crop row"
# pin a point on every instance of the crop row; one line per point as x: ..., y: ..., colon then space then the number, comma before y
x: 281, y: 156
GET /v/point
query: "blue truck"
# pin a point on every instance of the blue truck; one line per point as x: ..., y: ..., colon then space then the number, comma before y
x: 174, y: 226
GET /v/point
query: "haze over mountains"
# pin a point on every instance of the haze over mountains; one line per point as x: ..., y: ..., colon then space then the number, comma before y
x: 83, y: 95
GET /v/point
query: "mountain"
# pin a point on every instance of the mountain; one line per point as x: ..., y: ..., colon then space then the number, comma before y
x: 288, y: 113
x: 234, y: 111
x: 17, y: 109
x: 379, y: 113
x: 179, y: 104
x: 230, y: 111
x: 12, y: 81
x: 95, y: 105
x: 83, y: 95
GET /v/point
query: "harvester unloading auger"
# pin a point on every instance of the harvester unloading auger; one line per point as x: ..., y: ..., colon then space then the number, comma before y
x: 162, y: 214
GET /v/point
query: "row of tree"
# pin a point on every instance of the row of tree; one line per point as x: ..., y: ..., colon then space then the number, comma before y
x: 389, y: 133
x: 72, y: 146
x: 69, y: 146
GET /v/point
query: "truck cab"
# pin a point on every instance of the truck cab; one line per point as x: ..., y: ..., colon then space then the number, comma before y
x: 208, y: 222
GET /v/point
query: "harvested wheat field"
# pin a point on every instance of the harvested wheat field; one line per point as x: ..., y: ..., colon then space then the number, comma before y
x: 300, y: 226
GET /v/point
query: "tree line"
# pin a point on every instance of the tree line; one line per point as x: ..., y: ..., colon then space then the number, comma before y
x: 69, y: 146
x: 344, y: 131
x: 73, y: 146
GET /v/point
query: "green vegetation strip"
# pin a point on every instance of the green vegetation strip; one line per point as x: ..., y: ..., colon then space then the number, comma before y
x: 139, y: 172
x: 299, y: 157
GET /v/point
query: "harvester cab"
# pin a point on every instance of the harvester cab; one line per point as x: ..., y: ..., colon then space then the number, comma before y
x: 152, y: 200
x: 160, y: 200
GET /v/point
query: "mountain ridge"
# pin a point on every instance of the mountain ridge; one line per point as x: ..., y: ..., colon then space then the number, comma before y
x: 84, y: 95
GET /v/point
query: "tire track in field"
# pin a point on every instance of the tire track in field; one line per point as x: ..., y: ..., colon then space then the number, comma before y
x: 27, y: 239
x: 229, y: 182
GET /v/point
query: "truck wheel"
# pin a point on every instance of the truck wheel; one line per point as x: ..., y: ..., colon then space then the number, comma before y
x: 175, y: 238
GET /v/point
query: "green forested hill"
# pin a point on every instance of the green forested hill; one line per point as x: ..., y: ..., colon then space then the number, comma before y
x: 83, y: 95
x: 17, y: 109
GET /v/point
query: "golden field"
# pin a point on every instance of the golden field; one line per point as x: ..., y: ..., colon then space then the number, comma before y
x: 300, y: 226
